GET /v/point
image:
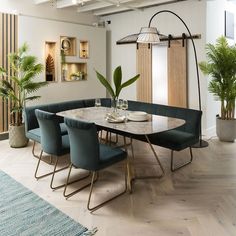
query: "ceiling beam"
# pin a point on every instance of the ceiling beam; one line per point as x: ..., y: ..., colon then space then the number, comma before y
x: 41, y: 1
x: 138, y: 5
x: 150, y: 3
x: 101, y: 4
x: 121, y: 3
x: 65, y: 3
x: 94, y: 6
x: 69, y: 3
x: 110, y: 11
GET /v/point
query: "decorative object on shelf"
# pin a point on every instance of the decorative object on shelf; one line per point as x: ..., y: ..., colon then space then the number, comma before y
x: 151, y: 35
x: 65, y: 44
x: 18, y: 90
x: 84, y: 49
x: 117, y: 80
x: 50, y: 68
x: 80, y: 75
x: 68, y: 45
x: 221, y: 65
x: 50, y: 59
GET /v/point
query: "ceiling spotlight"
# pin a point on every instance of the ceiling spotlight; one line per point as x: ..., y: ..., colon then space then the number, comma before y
x: 74, y: 2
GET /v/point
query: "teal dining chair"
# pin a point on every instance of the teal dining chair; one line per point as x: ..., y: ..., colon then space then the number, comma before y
x: 87, y: 153
x: 52, y: 143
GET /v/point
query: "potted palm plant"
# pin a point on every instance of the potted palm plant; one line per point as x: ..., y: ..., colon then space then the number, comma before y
x: 117, y: 80
x: 221, y: 66
x: 17, y: 86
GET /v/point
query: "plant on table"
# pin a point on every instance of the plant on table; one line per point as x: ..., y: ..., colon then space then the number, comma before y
x: 117, y: 80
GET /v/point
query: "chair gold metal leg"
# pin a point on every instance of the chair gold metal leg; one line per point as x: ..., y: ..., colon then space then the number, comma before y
x: 174, y: 168
x: 67, y: 183
x: 50, y: 173
x: 62, y: 185
x: 92, y: 209
x: 33, y: 150
x: 37, y: 167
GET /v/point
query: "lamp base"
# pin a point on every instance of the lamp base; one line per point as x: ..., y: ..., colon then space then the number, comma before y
x: 201, y: 144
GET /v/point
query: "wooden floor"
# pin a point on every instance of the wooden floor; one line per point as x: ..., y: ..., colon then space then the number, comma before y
x: 198, y: 200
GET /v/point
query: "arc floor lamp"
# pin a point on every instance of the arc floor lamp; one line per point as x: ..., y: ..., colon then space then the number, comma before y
x: 151, y: 35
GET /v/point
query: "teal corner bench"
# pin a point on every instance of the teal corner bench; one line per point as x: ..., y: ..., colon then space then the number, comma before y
x: 176, y: 139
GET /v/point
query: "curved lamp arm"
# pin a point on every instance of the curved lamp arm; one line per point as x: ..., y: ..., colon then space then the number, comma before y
x: 150, y: 35
x: 194, y: 48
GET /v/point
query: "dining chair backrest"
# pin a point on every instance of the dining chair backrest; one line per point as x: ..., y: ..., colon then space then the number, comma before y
x: 51, y: 140
x: 84, y: 144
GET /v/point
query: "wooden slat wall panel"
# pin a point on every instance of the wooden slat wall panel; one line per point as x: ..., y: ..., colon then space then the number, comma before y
x: 144, y: 68
x: 8, y: 44
x: 177, y: 74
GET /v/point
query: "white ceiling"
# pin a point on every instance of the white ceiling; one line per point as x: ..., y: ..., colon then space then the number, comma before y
x: 105, y: 7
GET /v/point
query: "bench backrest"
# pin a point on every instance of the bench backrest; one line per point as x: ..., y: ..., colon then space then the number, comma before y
x: 192, y: 117
x: 30, y: 117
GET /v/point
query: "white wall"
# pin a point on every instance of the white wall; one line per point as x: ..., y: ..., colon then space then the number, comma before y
x: 27, y: 7
x: 36, y: 31
x: 192, y: 12
x: 215, y: 29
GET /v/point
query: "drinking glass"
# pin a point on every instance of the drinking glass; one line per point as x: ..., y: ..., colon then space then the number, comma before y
x: 125, y: 107
x: 97, y: 102
x: 119, y: 104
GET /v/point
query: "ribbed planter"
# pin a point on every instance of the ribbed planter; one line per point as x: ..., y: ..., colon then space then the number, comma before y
x: 17, y: 136
x: 226, y: 130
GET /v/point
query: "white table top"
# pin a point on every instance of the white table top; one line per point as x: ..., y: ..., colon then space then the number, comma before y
x: 154, y: 124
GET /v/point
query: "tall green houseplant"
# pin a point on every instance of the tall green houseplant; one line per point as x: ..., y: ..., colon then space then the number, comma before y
x: 117, y: 80
x: 17, y: 85
x: 221, y: 66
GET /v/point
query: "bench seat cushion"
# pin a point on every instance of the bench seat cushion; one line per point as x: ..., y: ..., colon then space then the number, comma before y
x: 34, y: 134
x: 173, y: 139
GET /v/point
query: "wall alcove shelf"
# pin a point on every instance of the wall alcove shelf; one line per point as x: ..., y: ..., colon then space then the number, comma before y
x: 50, y: 61
x: 73, y: 71
x: 84, y: 49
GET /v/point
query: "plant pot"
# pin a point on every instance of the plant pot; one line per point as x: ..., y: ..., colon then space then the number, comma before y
x: 17, y: 136
x: 49, y: 77
x: 226, y: 129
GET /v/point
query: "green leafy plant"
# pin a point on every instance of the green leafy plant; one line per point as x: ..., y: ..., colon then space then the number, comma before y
x: 221, y: 65
x: 17, y: 85
x: 117, y: 80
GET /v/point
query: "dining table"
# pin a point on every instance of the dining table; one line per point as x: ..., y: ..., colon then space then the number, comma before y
x: 152, y: 124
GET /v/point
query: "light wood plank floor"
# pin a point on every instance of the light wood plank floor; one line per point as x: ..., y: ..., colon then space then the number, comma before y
x: 198, y: 200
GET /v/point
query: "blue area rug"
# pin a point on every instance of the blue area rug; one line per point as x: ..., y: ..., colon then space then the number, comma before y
x: 23, y: 213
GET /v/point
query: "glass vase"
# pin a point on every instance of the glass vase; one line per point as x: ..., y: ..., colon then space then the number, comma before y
x: 114, y: 106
